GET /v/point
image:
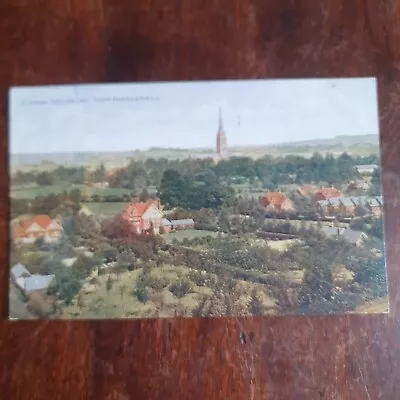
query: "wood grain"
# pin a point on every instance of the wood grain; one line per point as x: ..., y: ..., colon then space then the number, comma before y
x: 341, y: 357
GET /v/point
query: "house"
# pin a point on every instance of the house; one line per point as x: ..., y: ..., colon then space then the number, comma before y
x: 327, y: 193
x: 335, y: 205
x: 347, y: 206
x: 37, y: 283
x: 144, y: 215
x: 357, y: 185
x: 181, y: 224
x: 357, y: 238
x: 38, y: 226
x: 366, y: 169
x: 324, y: 207
x: 307, y: 189
x: 18, y: 273
x: 375, y: 206
x: 276, y: 201
x: 166, y: 224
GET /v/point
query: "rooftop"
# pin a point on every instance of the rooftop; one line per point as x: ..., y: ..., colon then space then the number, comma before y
x: 37, y: 282
x: 18, y: 270
x: 182, y: 221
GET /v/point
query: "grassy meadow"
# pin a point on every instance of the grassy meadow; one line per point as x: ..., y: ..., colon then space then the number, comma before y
x: 31, y: 191
x: 120, y: 302
x: 106, y: 210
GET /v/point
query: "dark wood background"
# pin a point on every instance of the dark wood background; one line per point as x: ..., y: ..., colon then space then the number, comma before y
x: 75, y: 41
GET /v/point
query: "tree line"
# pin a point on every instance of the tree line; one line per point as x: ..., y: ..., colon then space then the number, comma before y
x: 65, y: 203
x: 271, y: 171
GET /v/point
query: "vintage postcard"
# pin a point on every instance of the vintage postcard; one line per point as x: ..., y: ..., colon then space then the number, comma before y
x: 196, y: 199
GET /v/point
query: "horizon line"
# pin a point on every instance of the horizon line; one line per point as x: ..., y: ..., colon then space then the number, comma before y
x: 195, y: 148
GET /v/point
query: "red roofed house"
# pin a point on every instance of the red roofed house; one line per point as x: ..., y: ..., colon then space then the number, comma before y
x: 39, y: 226
x: 327, y: 193
x: 277, y: 201
x: 307, y: 189
x: 144, y: 215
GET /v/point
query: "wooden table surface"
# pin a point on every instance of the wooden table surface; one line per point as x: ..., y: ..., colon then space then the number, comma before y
x: 335, y: 357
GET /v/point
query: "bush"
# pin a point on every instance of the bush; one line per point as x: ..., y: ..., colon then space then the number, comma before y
x: 181, y: 287
x: 95, y: 281
x: 158, y: 284
x: 140, y: 291
x: 38, y: 305
x: 198, y: 278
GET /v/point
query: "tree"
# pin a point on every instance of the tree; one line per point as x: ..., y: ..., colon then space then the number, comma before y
x: 107, y: 253
x: 83, y: 267
x: 45, y: 179
x: 100, y: 174
x: 75, y: 196
x: 116, y: 228
x: 127, y: 259
x: 65, y: 285
x: 375, y: 188
x: 140, y: 290
x: 172, y: 189
x: 145, y: 195
x: 358, y: 224
x: 376, y: 228
x: 32, y: 260
x: 38, y: 305
x: 360, y: 211
x: 86, y: 226
x: 109, y: 284
x: 181, y: 287
x: 317, y: 284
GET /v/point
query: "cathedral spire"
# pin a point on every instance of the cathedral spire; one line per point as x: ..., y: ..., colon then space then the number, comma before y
x: 221, y: 124
x: 221, y: 138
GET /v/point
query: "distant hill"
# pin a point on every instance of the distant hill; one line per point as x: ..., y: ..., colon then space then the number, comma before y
x: 47, y: 160
x: 336, y: 141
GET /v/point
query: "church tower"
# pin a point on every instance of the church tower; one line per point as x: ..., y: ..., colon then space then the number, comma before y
x: 221, y: 138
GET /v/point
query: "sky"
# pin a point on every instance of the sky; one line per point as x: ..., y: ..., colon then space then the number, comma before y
x: 124, y: 117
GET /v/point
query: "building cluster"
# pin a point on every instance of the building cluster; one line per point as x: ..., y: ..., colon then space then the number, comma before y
x: 276, y: 201
x: 37, y: 227
x: 366, y: 169
x: 357, y: 238
x: 145, y: 216
x: 328, y: 202
x: 347, y: 206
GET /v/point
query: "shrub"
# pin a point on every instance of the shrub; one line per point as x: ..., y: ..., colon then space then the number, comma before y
x: 140, y: 291
x: 198, y: 278
x: 186, y: 241
x: 181, y: 287
x: 38, y: 305
x: 158, y: 284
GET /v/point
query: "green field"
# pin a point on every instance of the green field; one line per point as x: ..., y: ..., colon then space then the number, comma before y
x: 189, y: 233
x: 30, y: 191
x: 106, y: 210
